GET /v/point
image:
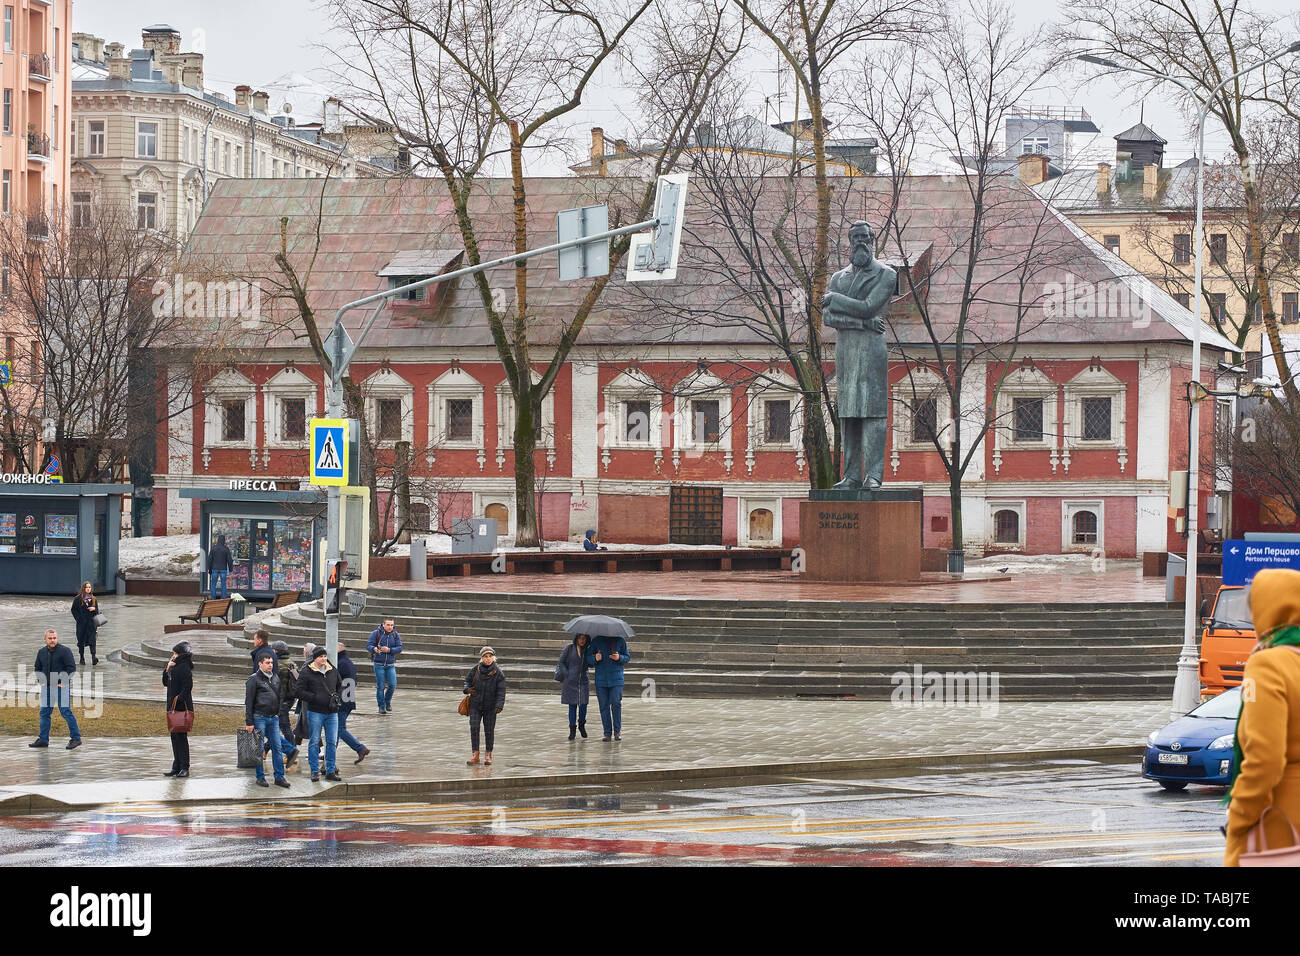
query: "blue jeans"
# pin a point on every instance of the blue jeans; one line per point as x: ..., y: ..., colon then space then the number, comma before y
x: 346, y: 736
x: 270, y: 728
x: 330, y: 722
x: 218, y: 578
x: 385, y: 684
x: 578, y: 713
x: 611, y: 708
x: 63, y: 697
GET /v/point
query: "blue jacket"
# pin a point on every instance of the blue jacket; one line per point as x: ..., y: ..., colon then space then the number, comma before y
x: 55, y: 664
x: 391, y: 641
x: 572, y: 672
x: 609, y: 673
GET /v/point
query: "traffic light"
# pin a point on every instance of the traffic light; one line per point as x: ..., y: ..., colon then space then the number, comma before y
x: 334, y: 586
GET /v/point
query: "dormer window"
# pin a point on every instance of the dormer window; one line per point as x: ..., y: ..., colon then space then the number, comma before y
x: 412, y: 295
x: 416, y: 265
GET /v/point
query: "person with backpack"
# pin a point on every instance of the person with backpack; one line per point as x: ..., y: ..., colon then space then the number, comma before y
x: 486, y: 686
x: 384, y: 646
x: 320, y: 688
x: 348, y: 671
x: 262, y: 712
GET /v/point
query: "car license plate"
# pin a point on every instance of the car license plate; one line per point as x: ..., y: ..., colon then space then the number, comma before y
x: 1171, y: 758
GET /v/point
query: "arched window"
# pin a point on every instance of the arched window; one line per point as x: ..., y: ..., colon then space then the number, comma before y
x: 760, y: 525
x: 1085, y: 527
x: 1006, y: 527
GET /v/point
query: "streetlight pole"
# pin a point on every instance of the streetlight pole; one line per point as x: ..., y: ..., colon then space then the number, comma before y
x: 1187, y: 682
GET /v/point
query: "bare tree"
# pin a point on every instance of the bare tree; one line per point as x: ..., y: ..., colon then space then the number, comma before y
x: 469, y: 84
x: 1256, y: 457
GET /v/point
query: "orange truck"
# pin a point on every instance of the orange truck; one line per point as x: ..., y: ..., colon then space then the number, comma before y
x: 1227, y: 638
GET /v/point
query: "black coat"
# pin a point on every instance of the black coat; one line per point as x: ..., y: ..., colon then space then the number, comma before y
x: 54, y: 662
x: 348, y: 672
x: 489, y: 688
x: 315, y: 688
x: 261, y: 696
x: 179, y: 681
x: 85, y: 618
x: 219, y: 558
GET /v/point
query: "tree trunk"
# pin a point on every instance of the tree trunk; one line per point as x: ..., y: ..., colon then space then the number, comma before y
x: 526, y: 416
x: 402, y: 487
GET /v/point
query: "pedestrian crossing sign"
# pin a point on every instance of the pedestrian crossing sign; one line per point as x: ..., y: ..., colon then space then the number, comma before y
x: 329, y: 451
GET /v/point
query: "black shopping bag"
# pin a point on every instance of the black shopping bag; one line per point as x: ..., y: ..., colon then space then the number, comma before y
x: 249, y: 746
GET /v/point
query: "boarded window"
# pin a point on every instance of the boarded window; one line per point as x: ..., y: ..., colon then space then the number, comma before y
x: 695, y: 515
x: 760, y: 525
x: 1096, y: 419
x: 390, y: 419
x: 502, y: 514
x: 460, y: 419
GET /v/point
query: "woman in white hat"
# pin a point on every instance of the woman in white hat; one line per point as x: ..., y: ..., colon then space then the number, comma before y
x: 486, y: 686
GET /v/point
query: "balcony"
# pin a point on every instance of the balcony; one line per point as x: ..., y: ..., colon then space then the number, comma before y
x: 38, y: 228
x: 38, y: 67
x: 38, y: 147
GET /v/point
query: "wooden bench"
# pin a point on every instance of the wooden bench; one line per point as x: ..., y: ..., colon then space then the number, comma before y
x: 283, y: 599
x: 208, y: 609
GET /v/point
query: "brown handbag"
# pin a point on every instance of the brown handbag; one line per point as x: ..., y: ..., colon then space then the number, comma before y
x: 1282, y: 856
x: 463, y: 707
x: 179, y: 721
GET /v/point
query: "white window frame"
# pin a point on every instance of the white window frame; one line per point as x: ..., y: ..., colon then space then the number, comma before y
x: 6, y: 191
x: 289, y: 383
x: 1025, y: 383
x: 91, y: 152
x: 506, y: 417
x: 157, y: 135
x: 89, y: 205
x: 9, y: 18
x: 8, y: 111
x: 455, y: 383
x: 73, y: 138
x: 744, y: 506
x: 701, y: 386
x: 632, y: 386
x: 140, y: 206
x: 1094, y: 383
x: 230, y: 385
x: 388, y: 384
x: 993, y: 506
x: 1069, y: 508
x: 776, y: 386
x: 921, y: 382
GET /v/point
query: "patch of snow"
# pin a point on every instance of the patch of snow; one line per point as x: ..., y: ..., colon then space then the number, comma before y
x: 165, y: 555
x: 1042, y: 563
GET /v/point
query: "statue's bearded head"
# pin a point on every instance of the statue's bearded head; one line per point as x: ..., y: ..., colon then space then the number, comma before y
x: 862, y: 244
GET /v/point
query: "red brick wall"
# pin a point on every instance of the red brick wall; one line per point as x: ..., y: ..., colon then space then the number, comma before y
x: 555, y: 515
x: 790, y: 522
x: 940, y: 507
x: 1120, y: 539
x: 634, y: 519
x: 730, y: 513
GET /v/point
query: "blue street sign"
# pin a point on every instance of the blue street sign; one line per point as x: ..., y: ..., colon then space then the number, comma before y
x: 1242, y: 560
x: 6, y: 373
x: 329, y: 451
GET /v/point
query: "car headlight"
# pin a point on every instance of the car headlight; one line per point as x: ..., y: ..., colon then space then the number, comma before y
x: 1222, y: 743
x: 1151, y: 738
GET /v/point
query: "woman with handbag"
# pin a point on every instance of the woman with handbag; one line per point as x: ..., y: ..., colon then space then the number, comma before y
x: 85, y: 610
x: 575, y: 690
x: 486, y: 687
x: 320, y: 688
x: 178, y: 678
x: 1265, y: 795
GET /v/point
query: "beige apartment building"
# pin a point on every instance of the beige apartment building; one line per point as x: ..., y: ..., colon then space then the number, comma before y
x: 146, y: 131
x: 35, y: 75
x: 1146, y: 214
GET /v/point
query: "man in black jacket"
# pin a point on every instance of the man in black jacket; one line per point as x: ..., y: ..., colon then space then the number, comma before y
x: 219, y: 565
x: 262, y: 711
x: 56, y: 666
x: 348, y: 672
x: 321, y: 690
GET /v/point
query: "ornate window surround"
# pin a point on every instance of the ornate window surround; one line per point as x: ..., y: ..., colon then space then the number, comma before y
x: 993, y: 506
x: 229, y: 384
x: 920, y: 383
x: 289, y: 382
x: 1095, y: 382
x: 386, y: 383
x: 506, y: 424
x: 1071, y: 507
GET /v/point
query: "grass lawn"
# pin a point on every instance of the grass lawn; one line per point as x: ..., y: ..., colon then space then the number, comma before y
x: 122, y: 718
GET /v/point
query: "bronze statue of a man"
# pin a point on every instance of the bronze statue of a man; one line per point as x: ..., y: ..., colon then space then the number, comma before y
x: 854, y: 307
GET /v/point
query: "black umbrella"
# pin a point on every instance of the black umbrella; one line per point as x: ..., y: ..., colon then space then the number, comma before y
x: 599, y: 625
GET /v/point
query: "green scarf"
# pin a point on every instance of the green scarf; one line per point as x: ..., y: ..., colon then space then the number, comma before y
x: 1290, y: 634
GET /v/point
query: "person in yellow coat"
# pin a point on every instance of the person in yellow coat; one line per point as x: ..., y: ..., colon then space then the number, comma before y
x: 1268, y: 730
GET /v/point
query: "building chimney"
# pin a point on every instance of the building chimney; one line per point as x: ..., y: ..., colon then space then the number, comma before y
x: 119, y: 68
x: 114, y: 49
x: 172, y: 69
x: 598, y: 151
x: 261, y: 100
x: 161, y: 39
x: 243, y: 96
x: 333, y: 121
x: 192, y: 70
x: 89, y: 47
x: 1033, y: 168
x: 1103, y: 179
x: 1150, y: 182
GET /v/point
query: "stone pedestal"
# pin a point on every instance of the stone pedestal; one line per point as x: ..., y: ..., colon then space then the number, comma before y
x: 861, y: 537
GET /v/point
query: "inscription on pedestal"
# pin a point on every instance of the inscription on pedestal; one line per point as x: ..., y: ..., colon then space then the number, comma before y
x: 861, y: 541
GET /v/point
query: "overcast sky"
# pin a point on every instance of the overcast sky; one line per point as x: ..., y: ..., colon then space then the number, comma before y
x: 258, y: 41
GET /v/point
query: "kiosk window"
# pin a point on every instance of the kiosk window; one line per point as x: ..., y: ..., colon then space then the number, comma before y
x: 8, y: 533
x: 29, y: 533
